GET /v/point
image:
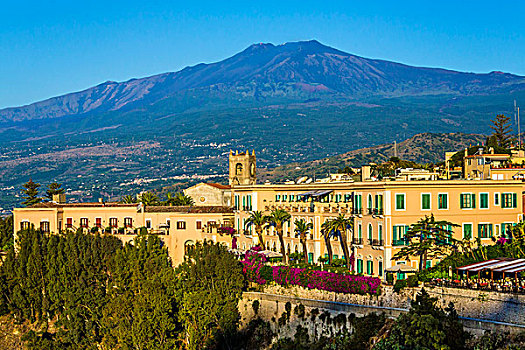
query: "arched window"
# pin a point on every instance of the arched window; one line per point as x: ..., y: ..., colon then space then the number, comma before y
x: 369, y: 202
x: 238, y: 169
x: 189, y: 244
x: 370, y: 232
x: 274, y: 247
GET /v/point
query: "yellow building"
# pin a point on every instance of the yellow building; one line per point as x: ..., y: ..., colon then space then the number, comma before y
x: 381, y: 210
x: 177, y: 226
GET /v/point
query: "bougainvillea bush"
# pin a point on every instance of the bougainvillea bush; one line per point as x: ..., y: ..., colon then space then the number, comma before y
x: 256, y: 271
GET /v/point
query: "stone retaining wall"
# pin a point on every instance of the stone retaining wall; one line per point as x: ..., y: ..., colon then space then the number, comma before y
x: 480, y: 311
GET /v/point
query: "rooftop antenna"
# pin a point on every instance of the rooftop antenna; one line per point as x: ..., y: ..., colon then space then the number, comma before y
x: 395, y: 149
x: 517, y: 121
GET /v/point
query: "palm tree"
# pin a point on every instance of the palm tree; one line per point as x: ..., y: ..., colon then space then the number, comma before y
x: 128, y: 199
x: 340, y: 226
x: 258, y: 220
x: 276, y: 219
x: 182, y: 199
x: 148, y: 199
x: 170, y: 199
x: 302, y: 228
x: 327, y: 233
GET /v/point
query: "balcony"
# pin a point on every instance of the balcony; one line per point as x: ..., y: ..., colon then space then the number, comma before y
x: 399, y: 242
x: 357, y: 211
x: 376, y: 242
x: 375, y: 211
x: 357, y: 241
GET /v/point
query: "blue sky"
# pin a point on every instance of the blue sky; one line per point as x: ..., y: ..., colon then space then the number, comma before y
x: 48, y: 48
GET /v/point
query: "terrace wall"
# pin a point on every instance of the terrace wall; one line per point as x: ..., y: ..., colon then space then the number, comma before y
x: 480, y: 310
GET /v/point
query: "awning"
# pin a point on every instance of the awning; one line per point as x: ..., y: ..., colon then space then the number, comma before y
x: 270, y: 254
x: 317, y: 193
x: 496, y: 265
x: 401, y: 268
x: 322, y: 193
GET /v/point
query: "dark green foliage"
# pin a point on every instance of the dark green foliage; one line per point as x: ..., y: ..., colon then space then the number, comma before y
x: 313, y: 314
x: 502, y: 130
x: 31, y: 193
x: 255, y: 306
x: 54, y: 188
x: 426, y: 326
x: 140, y: 312
x: 257, y: 335
x: 211, y: 282
x: 6, y: 233
x: 412, y: 281
x: 389, y: 278
x: 299, y: 311
x: 400, y: 284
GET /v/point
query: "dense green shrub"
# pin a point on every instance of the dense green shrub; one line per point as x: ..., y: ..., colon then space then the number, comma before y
x: 400, y: 284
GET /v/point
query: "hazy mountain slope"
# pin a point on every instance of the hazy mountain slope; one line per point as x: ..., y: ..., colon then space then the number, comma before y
x: 421, y: 148
x: 266, y: 71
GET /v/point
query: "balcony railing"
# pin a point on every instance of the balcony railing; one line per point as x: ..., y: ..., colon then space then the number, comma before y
x: 376, y: 242
x: 399, y: 242
x: 357, y: 211
x: 357, y: 241
x: 375, y: 211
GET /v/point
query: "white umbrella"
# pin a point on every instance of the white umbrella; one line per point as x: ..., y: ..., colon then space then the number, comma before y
x: 270, y: 254
x: 401, y: 268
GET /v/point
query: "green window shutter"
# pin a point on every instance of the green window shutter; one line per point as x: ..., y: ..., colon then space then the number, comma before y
x: 394, y: 234
x: 359, y: 231
x: 483, y: 200
x: 380, y: 268
x: 503, y: 229
x: 425, y: 201
x: 490, y: 230
x: 514, y: 200
x: 480, y: 228
x: 461, y: 202
x: 380, y: 232
x: 473, y: 198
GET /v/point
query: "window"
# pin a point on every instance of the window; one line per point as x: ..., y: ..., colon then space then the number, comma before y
x: 181, y: 225
x: 370, y: 267
x: 277, y: 197
x: 128, y: 222
x: 506, y: 230
x: 425, y: 201
x: 509, y: 200
x: 148, y: 223
x: 236, y: 201
x: 483, y: 201
x: 484, y: 230
x: 370, y: 232
x: 44, y: 226
x: 292, y: 198
x: 496, y: 199
x: 98, y: 222
x: 380, y: 268
x: 443, y: 201
x: 359, y: 265
x: 369, y: 202
x: 400, y: 202
x: 380, y: 233
x: 398, y: 234
x: 357, y: 201
x: 359, y: 231
x: 379, y: 204
x: 467, y: 201
x: 83, y: 222
x: 24, y: 225
x: 69, y: 222
x: 429, y: 264
x: 467, y: 231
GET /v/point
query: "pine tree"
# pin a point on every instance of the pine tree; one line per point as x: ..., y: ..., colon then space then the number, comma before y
x: 502, y: 130
x: 31, y: 193
x: 54, y: 188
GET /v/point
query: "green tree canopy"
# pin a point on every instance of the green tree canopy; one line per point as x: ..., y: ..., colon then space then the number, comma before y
x: 31, y: 193
x: 54, y: 188
x: 301, y: 229
x: 258, y: 220
x: 428, y: 238
x: 277, y: 218
x: 210, y: 283
x: 502, y: 130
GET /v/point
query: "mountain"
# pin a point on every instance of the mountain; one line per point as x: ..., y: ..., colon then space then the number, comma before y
x: 264, y: 71
x: 291, y: 103
x: 420, y: 148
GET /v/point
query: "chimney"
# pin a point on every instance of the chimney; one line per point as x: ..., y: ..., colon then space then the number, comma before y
x: 365, y: 172
x: 59, y: 198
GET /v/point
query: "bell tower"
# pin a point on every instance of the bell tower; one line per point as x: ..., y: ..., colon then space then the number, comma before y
x: 242, y: 168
